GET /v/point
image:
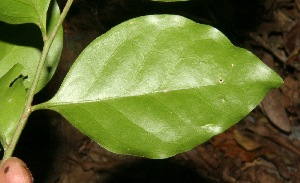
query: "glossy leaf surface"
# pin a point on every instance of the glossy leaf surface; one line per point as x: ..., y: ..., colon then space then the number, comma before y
x: 23, y: 44
x: 12, y: 100
x: 159, y: 85
x: 24, y: 11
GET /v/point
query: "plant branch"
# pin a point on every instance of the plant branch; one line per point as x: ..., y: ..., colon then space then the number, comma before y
x: 27, y: 110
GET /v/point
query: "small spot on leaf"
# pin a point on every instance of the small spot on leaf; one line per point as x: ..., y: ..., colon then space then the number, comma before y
x: 49, y: 69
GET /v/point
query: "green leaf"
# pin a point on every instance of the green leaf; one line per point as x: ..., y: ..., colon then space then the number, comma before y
x: 12, y: 100
x: 159, y: 85
x: 23, y: 44
x: 24, y: 11
x: 54, y: 53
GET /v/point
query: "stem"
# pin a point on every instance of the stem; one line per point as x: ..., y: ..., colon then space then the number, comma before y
x: 27, y: 110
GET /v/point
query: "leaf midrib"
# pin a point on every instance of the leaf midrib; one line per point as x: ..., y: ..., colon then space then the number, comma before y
x: 51, y: 103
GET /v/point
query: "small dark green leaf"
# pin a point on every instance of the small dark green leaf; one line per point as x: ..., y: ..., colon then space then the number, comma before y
x: 159, y: 85
x: 23, y: 44
x: 24, y: 11
x: 12, y: 100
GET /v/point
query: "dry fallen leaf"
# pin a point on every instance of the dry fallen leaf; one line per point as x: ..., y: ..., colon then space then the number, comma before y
x: 298, y: 4
x: 244, y: 141
x: 273, y: 108
x: 291, y: 88
x: 292, y: 45
x: 229, y: 146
